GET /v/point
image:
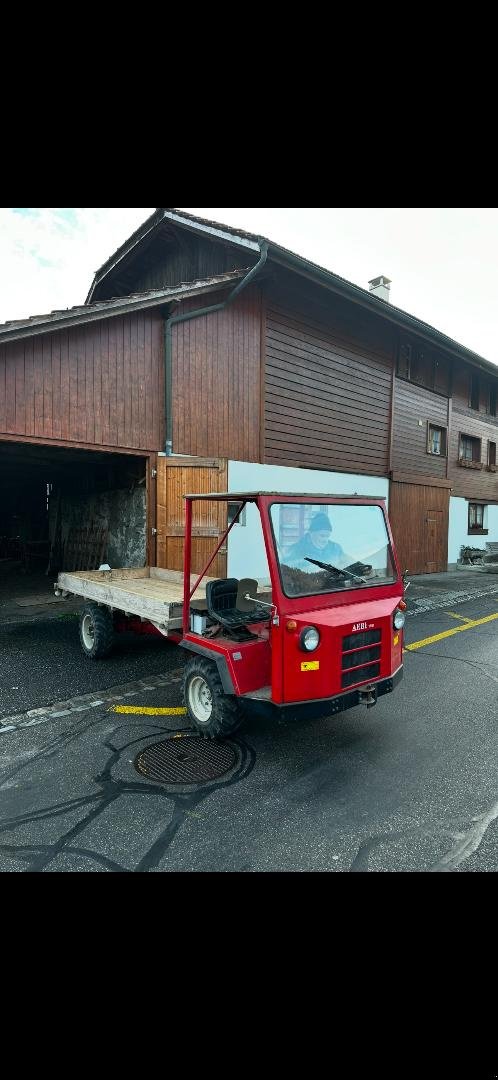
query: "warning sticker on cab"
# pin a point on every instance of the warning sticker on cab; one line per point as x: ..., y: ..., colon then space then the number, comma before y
x: 310, y: 665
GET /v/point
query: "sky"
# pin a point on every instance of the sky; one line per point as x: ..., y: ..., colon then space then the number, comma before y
x: 442, y: 261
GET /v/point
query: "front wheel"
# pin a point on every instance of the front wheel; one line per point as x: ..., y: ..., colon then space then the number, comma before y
x: 96, y: 631
x: 212, y: 712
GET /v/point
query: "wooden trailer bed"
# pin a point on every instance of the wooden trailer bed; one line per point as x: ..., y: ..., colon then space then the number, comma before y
x: 151, y: 593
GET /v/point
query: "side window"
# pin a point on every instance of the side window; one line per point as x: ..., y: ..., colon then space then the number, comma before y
x: 233, y: 507
x: 436, y: 440
x: 477, y: 518
x: 469, y: 451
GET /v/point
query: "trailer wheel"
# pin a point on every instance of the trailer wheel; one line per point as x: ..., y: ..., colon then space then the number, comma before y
x: 211, y: 711
x: 96, y: 631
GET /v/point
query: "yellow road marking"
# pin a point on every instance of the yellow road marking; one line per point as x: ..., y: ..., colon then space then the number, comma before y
x: 449, y: 633
x: 454, y: 615
x: 142, y: 710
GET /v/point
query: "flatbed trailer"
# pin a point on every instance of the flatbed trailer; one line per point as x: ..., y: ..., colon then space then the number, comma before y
x: 150, y: 594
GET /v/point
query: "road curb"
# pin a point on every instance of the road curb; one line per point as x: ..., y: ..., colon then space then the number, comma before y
x: 85, y: 702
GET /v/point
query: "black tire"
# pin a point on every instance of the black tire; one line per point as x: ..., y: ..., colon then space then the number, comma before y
x: 96, y: 631
x: 212, y: 712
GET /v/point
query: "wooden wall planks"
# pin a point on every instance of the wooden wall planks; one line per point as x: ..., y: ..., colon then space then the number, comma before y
x: 100, y: 384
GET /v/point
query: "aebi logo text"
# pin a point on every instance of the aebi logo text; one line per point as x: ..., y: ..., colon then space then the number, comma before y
x: 362, y: 626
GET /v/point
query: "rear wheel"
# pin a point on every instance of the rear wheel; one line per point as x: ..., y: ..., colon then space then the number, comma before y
x: 212, y: 712
x: 96, y: 631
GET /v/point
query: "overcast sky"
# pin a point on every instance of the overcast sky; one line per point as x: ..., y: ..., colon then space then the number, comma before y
x: 443, y: 262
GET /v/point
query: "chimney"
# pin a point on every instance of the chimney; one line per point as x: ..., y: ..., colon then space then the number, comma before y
x: 380, y: 286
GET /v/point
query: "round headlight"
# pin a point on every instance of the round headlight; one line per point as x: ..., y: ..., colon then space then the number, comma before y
x: 399, y: 619
x: 309, y: 639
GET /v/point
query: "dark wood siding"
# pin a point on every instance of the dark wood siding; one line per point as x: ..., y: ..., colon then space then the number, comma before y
x: 101, y: 383
x: 419, y: 521
x: 216, y: 381
x: 327, y: 386
x: 472, y: 483
x: 414, y: 408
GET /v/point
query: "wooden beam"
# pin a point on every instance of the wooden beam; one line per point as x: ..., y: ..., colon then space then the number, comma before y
x: 391, y: 412
x: 198, y: 463
x: 74, y: 445
x: 423, y: 481
x: 262, y: 380
x: 151, y: 510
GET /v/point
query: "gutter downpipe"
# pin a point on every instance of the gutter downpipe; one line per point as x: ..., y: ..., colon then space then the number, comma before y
x: 168, y: 338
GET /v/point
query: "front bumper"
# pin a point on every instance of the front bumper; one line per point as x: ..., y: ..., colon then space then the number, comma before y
x: 310, y: 710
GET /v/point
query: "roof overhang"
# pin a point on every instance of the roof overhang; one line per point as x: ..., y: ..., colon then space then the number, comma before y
x: 217, y: 232
x: 281, y: 496
x: 387, y: 311
x: 108, y: 309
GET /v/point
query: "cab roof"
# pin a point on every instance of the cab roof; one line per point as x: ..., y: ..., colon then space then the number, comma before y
x: 252, y: 496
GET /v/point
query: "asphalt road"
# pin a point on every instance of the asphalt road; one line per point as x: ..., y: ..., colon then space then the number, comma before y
x: 42, y: 662
x: 408, y: 786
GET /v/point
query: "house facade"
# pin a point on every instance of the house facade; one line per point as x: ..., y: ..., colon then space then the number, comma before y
x: 211, y: 359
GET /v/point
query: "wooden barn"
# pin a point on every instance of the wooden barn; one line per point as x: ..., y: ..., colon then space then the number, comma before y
x: 207, y: 358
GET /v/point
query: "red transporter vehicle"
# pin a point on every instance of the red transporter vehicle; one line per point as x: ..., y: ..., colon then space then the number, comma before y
x: 328, y: 637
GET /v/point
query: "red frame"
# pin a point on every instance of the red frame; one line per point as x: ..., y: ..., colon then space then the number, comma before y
x: 264, y: 501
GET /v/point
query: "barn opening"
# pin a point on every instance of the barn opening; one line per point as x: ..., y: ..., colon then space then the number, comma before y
x: 67, y: 509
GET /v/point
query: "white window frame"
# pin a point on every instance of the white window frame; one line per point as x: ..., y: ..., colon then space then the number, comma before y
x: 431, y: 429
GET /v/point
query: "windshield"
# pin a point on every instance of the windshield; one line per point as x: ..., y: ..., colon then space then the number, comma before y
x: 350, y: 543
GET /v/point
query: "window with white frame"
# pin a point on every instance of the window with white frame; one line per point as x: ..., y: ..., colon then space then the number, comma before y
x: 436, y: 440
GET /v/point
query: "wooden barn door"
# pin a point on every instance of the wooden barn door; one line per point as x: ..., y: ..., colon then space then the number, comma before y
x: 419, y: 521
x: 177, y: 477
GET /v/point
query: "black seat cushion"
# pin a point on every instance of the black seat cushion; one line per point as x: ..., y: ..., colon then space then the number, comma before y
x: 221, y: 598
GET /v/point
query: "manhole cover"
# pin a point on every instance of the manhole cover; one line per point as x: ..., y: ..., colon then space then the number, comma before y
x: 186, y: 760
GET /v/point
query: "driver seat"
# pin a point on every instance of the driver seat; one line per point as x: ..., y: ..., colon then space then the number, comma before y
x: 221, y: 601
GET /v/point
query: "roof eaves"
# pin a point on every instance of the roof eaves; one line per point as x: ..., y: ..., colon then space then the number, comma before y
x: 218, y: 232
x: 217, y: 225
x: 339, y: 284
x: 106, y: 309
x: 387, y: 310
